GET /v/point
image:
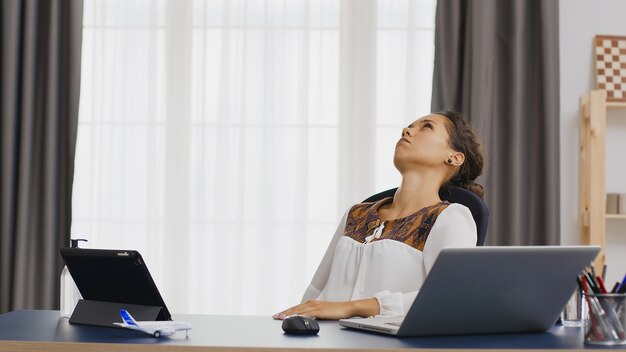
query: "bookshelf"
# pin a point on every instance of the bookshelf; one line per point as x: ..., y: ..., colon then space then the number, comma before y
x: 593, y: 217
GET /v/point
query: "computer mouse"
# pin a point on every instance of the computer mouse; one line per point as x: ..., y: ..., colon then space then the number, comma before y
x: 300, y: 325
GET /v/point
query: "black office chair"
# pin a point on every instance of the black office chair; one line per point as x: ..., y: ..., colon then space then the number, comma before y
x: 477, y: 207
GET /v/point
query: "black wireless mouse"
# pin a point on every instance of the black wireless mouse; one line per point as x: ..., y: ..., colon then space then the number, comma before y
x: 300, y: 325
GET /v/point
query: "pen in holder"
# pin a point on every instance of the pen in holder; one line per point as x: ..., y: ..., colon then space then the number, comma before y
x: 607, y: 318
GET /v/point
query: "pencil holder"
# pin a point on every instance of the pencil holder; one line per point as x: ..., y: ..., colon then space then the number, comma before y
x: 607, y: 319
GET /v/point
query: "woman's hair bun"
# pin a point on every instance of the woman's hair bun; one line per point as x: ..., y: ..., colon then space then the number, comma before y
x: 476, y: 188
x: 463, y: 139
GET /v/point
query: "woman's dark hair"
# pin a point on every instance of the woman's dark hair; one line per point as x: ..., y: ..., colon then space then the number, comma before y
x: 464, y: 140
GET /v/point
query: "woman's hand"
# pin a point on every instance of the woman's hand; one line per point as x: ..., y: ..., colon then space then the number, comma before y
x: 333, y: 310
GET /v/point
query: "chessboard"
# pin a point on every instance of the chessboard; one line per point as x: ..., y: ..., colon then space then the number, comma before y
x: 610, y: 57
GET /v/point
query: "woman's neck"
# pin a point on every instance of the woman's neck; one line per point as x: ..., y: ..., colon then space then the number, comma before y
x: 415, y: 192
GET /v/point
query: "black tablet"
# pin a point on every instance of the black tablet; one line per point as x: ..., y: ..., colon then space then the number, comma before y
x: 119, y: 276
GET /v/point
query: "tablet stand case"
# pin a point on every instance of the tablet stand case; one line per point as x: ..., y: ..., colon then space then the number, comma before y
x: 99, y: 313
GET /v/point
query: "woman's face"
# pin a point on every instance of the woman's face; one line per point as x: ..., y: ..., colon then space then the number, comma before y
x: 423, y: 143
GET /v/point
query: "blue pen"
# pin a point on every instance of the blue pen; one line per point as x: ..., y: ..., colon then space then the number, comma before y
x: 622, y: 286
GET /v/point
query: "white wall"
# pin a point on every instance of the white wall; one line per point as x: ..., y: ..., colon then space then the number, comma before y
x: 580, y: 21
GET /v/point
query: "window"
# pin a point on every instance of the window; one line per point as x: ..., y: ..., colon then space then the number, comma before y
x: 213, y: 138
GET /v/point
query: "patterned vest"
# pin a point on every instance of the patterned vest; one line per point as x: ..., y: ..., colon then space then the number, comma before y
x: 413, y: 230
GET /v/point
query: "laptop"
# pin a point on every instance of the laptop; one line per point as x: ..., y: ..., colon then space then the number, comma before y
x: 485, y: 290
x: 116, y: 279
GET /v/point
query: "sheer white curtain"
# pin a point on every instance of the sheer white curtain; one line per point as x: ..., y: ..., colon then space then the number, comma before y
x: 225, y: 139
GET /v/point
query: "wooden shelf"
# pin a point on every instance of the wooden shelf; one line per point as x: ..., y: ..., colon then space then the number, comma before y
x: 616, y: 216
x: 592, y: 209
x: 592, y: 215
x: 616, y: 104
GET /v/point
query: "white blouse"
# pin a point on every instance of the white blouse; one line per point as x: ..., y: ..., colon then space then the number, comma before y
x: 389, y: 270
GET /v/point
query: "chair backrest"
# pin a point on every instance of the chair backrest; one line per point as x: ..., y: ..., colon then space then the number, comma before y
x: 477, y: 207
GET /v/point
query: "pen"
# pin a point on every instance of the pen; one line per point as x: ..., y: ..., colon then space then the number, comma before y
x: 614, y: 290
x: 591, y: 285
x: 603, y: 272
x: 614, y: 322
x: 595, y: 324
x: 580, y: 284
x: 593, y: 270
x: 622, y: 286
x: 596, y: 284
x: 601, y: 284
x: 611, y: 312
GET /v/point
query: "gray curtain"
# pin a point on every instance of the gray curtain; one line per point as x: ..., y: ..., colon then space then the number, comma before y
x: 498, y: 63
x: 39, y: 89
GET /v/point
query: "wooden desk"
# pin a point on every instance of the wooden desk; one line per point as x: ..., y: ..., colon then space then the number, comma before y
x: 40, y: 330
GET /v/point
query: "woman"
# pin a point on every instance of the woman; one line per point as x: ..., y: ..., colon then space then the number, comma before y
x: 382, y: 251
